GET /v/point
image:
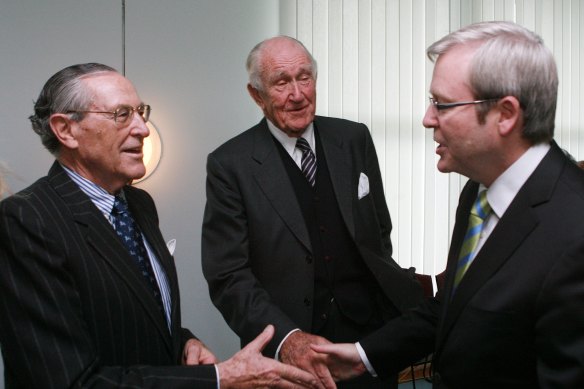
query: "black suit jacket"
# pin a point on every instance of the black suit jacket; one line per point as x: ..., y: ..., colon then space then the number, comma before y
x: 75, y: 310
x: 256, y: 251
x: 517, y: 317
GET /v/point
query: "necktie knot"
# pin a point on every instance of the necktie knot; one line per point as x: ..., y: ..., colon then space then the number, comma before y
x: 120, y: 206
x: 303, y: 145
x: 481, y: 207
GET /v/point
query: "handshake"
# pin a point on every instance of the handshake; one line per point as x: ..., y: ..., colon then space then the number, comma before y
x: 309, y: 361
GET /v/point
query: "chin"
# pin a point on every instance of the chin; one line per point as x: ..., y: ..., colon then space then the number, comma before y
x: 137, y: 174
x: 443, y: 167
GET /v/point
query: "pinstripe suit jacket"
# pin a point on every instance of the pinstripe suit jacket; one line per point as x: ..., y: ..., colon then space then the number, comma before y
x: 75, y: 310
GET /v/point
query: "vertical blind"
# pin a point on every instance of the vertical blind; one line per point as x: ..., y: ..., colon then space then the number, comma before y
x: 372, y: 68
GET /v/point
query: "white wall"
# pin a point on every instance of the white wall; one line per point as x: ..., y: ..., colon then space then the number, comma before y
x: 186, y: 59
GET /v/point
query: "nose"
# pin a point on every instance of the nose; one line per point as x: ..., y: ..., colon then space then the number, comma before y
x: 430, y: 118
x: 139, y: 127
x: 295, y: 91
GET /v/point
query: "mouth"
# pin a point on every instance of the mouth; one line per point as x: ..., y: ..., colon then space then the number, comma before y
x: 297, y: 109
x: 439, y: 147
x: 134, y: 151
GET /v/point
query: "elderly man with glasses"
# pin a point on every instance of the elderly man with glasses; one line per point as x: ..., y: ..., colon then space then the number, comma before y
x: 88, y: 289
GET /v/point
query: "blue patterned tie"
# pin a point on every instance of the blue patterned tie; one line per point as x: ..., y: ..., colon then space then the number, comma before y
x: 130, y: 234
x: 308, y: 160
x: 478, y: 213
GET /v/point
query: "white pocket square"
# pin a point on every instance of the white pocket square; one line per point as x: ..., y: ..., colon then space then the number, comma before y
x: 363, y: 189
x: 171, y: 245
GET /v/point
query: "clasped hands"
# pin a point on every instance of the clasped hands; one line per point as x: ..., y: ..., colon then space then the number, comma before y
x: 309, y: 361
x: 327, y: 361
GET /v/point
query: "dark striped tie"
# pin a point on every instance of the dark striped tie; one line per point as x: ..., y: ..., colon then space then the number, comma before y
x: 308, y: 164
x: 478, y: 213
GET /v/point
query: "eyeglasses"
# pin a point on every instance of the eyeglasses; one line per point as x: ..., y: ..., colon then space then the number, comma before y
x: 443, y: 106
x: 124, y: 113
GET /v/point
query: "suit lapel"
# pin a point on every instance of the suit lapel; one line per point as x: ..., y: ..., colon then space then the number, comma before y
x: 271, y: 176
x: 100, y: 236
x: 340, y: 169
x: 513, y: 228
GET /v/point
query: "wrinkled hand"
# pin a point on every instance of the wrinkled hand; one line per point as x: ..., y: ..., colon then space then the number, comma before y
x: 343, y: 360
x: 296, y: 351
x: 249, y: 369
x: 196, y: 353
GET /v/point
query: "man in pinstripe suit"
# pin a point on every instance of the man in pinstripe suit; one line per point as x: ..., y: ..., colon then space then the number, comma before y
x: 76, y: 310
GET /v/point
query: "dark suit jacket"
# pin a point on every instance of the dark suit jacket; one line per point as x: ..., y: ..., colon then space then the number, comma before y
x: 256, y: 251
x: 517, y: 317
x: 75, y: 310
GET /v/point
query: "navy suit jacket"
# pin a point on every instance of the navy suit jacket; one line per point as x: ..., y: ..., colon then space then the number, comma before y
x: 517, y: 317
x: 76, y: 312
x: 256, y: 250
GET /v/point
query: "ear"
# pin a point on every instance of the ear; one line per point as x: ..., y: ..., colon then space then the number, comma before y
x: 63, y: 128
x: 256, y: 96
x: 510, y: 115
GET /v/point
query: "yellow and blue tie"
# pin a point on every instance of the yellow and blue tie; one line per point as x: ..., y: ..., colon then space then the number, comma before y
x: 478, y: 214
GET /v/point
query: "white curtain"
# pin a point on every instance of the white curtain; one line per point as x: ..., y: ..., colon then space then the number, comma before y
x: 372, y: 68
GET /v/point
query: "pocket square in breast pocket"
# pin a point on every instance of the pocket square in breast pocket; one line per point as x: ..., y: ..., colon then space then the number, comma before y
x: 363, y: 189
x: 171, y: 245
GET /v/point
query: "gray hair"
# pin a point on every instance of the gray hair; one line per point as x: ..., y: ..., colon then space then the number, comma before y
x: 63, y: 92
x: 254, y: 64
x: 511, y: 61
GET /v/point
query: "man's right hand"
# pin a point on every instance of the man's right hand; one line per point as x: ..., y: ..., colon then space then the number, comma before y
x: 249, y: 369
x: 343, y: 360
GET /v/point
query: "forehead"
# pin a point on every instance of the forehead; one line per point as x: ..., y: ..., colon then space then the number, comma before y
x: 451, y: 76
x: 110, y: 89
x: 282, y: 55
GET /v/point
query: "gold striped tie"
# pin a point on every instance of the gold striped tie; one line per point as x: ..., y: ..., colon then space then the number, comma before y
x: 478, y: 214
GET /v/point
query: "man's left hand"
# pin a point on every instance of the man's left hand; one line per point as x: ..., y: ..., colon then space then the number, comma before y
x: 196, y: 353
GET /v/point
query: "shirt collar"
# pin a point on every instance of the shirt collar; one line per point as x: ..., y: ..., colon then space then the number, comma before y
x: 99, y: 196
x: 504, y: 189
x: 289, y: 143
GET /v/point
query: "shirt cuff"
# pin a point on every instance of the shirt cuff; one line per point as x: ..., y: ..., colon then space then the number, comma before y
x: 282, y: 342
x: 365, y: 360
x: 218, y: 378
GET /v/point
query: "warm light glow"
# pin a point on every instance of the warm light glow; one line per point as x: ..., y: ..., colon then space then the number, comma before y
x: 152, y: 150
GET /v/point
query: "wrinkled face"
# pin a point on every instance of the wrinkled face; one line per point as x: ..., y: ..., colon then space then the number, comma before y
x: 288, y: 98
x: 107, y: 153
x: 463, y: 143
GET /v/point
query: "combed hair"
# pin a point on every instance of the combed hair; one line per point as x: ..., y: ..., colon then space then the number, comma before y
x: 254, y: 63
x: 63, y: 92
x: 510, y: 61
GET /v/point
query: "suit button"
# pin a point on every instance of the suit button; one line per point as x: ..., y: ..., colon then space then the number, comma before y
x: 322, y: 229
x: 309, y: 259
x: 307, y: 301
x: 328, y: 258
x: 316, y: 199
x: 324, y: 316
